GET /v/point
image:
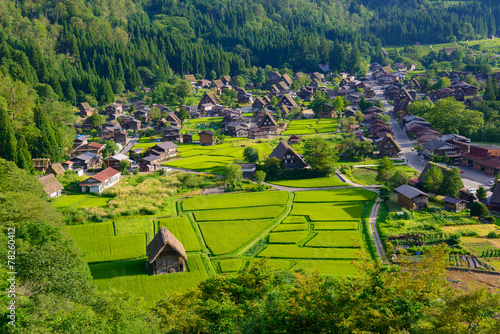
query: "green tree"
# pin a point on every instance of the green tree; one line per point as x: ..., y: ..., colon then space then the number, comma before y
x: 232, y: 173
x: 385, y: 193
x: 274, y: 101
x: 478, y: 209
x: 481, y: 193
x: 183, y: 114
x: 433, y: 179
x: 24, y: 155
x: 124, y: 165
x: 239, y: 81
x: 452, y: 183
x: 385, y: 170
x: 398, y: 179
x: 320, y: 154
x: 8, y: 141
x: 251, y: 154
x: 96, y: 120
x: 260, y: 176
x: 110, y: 149
x: 155, y: 114
x: 490, y: 91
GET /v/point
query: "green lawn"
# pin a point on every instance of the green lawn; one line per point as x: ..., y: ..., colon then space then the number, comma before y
x: 368, y: 175
x: 227, y: 236
x: 320, y: 182
x: 225, y: 201
x: 94, y: 202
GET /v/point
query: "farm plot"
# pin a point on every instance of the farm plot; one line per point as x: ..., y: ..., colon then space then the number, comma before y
x: 338, y: 225
x: 181, y: 228
x: 273, y: 264
x: 340, y: 195
x: 294, y: 220
x: 225, y: 201
x: 234, y: 152
x: 226, y: 236
x: 296, y: 252
x: 230, y: 265
x: 481, y: 229
x: 336, y: 267
x: 326, y: 125
x: 301, y: 127
x: 100, y: 230
x: 93, y: 202
x: 320, y: 182
x: 131, y: 276
x: 238, y: 213
x: 291, y: 227
x: 328, y: 211
x: 69, y: 200
x: 134, y: 225
x: 287, y: 237
x: 204, y: 163
x: 336, y: 239
x: 113, y: 248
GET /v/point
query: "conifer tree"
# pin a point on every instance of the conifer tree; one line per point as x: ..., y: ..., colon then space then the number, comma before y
x: 8, y: 141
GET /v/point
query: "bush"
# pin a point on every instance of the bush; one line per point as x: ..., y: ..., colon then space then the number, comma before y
x: 490, y: 219
x: 493, y: 235
x: 478, y: 209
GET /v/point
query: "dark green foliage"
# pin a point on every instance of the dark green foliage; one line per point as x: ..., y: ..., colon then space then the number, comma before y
x: 48, y: 145
x: 385, y: 170
x: 385, y: 193
x: 14, y: 179
x: 320, y: 155
x: 8, y: 141
x: 452, y: 183
x: 481, y: 193
x: 250, y: 154
x: 478, y: 209
x: 433, y: 179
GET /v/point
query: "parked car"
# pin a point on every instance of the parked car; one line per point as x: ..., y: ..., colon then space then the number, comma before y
x: 491, y: 183
x: 472, y: 191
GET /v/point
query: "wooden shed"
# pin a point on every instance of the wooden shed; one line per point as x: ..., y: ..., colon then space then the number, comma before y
x: 166, y: 254
x: 411, y: 198
x: 454, y: 204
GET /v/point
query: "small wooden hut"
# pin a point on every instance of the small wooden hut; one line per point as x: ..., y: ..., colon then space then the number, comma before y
x: 166, y: 254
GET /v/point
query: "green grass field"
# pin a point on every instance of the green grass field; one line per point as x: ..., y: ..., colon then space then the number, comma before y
x: 368, y: 175
x: 225, y: 201
x: 339, y: 225
x: 320, y: 182
x: 131, y: 276
x: 93, y: 202
x: 69, y: 200
x: 311, y: 126
x: 227, y: 236
x: 287, y: 237
x: 296, y: 252
x: 336, y: 239
x: 238, y: 213
x: 203, y: 163
x: 230, y: 265
x: 340, y: 195
x: 291, y: 227
x: 112, y: 248
x: 100, y: 230
x: 328, y: 211
x: 337, y: 267
x: 181, y: 228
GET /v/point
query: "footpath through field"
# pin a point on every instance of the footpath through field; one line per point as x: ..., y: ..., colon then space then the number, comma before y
x: 374, y: 232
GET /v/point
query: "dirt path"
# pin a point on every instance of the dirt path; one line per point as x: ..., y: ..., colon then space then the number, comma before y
x: 374, y: 232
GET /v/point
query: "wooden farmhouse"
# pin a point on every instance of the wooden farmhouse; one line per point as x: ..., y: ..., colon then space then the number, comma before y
x: 207, y: 138
x: 57, y: 169
x: 209, y: 98
x: 51, y: 186
x: 101, y: 181
x: 454, y: 204
x: 166, y: 254
x: 41, y: 165
x: 287, y: 101
x: 412, y: 198
x: 288, y: 156
x: 388, y: 147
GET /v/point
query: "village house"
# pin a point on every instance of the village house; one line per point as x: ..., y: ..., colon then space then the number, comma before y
x: 114, y: 161
x: 92, y: 147
x: 51, y: 186
x: 190, y: 78
x: 484, y: 158
x: 209, y: 98
x: 207, y: 138
x: 164, y: 150
x: 166, y: 254
x: 441, y: 148
x: 454, y: 204
x: 412, y: 198
x: 274, y: 78
x: 267, y: 123
x: 86, y: 160
x: 217, y: 84
x: 172, y: 134
x: 287, y: 101
x: 101, y: 181
x: 259, y: 103
x: 41, y: 164
x: 248, y: 169
x: 149, y: 163
x: 187, y: 138
x: 56, y: 169
x: 86, y: 109
x: 388, y: 147
x: 288, y: 156
x: 115, y: 108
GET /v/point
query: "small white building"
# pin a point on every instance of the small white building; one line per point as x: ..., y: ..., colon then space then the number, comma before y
x: 101, y: 181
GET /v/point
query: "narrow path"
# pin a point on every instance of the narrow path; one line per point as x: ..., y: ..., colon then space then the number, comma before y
x: 374, y: 232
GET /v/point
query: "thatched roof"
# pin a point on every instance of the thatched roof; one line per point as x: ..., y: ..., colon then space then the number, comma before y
x: 50, y: 184
x: 56, y: 169
x: 163, y: 238
x: 282, y: 149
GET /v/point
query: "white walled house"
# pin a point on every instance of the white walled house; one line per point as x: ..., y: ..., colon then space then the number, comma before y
x: 101, y: 181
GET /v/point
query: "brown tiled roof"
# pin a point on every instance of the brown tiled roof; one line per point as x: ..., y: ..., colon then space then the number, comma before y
x: 96, y: 145
x: 163, y: 238
x: 50, y: 184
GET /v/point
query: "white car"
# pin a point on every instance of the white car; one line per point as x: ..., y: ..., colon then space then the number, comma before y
x: 491, y: 183
x: 472, y: 191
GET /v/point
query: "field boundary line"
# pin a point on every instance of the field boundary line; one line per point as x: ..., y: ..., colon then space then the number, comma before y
x: 279, y: 219
x: 198, y: 233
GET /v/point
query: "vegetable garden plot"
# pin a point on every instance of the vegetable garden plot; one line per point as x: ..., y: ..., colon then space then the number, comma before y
x: 328, y: 211
x: 225, y: 201
x: 131, y: 276
x: 340, y: 195
x: 291, y: 227
x: 338, y: 225
x: 336, y: 239
x: 296, y: 252
x: 181, y: 228
x: 227, y: 236
x: 287, y: 237
x: 239, y: 213
x: 113, y: 248
x: 333, y: 267
x: 230, y: 265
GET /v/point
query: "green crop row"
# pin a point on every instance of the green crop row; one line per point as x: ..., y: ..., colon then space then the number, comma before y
x: 225, y: 201
x: 227, y: 236
x: 238, y: 213
x: 296, y: 252
x: 181, y: 228
x: 294, y: 220
x: 99, y: 230
x: 230, y: 265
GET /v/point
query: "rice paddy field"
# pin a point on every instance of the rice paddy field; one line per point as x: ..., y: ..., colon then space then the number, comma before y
x: 303, y: 231
x: 320, y: 182
x: 311, y: 126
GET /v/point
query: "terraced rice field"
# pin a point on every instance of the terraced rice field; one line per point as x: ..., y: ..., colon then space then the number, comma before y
x: 339, y: 267
x: 230, y: 265
x: 202, y: 163
x: 287, y: 237
x: 181, y: 228
x: 238, y: 213
x: 223, y: 237
x: 336, y: 239
x: 225, y: 201
x: 320, y: 182
x: 296, y: 252
x: 328, y: 211
x: 340, y: 195
x: 311, y: 126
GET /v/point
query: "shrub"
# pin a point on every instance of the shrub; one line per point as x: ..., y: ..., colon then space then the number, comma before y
x: 493, y: 235
x: 478, y: 209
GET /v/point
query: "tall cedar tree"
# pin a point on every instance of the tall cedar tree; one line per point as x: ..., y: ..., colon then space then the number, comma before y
x: 47, y: 146
x: 320, y: 154
x: 8, y: 141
